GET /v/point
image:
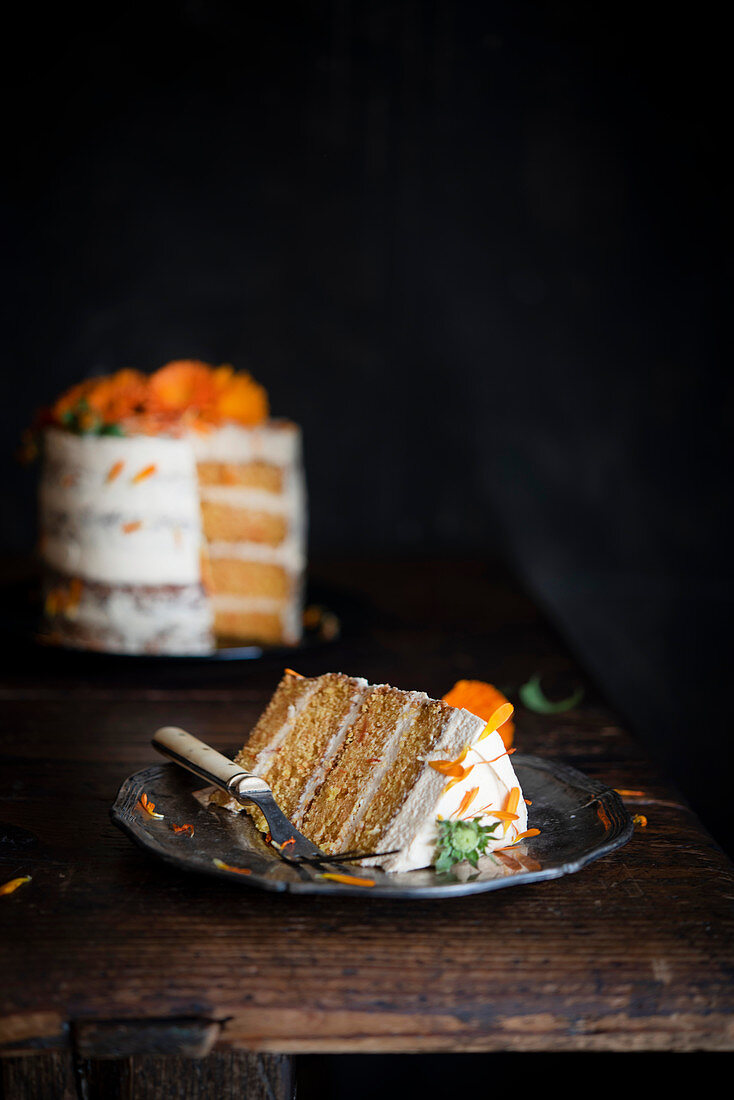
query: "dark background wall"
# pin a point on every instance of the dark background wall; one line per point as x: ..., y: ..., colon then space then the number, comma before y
x: 480, y: 251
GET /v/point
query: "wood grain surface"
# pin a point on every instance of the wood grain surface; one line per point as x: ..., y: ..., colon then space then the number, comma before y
x: 110, y: 952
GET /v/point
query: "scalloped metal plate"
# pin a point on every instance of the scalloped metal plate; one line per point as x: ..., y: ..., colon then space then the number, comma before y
x: 579, y: 819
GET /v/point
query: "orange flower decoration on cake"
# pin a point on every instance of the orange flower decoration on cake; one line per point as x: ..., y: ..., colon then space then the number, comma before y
x: 483, y: 700
x: 240, y: 397
x: 118, y: 396
x: 109, y: 399
x: 183, y: 392
x: 71, y: 400
x: 181, y: 385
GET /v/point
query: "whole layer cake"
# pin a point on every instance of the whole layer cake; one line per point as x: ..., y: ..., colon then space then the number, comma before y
x: 373, y: 769
x: 172, y: 513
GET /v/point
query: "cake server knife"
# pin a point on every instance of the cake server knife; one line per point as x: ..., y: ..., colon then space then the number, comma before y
x: 220, y: 771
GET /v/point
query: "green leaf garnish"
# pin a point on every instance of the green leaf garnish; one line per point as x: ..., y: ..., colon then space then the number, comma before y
x: 531, y: 696
x: 82, y: 421
x: 461, y: 840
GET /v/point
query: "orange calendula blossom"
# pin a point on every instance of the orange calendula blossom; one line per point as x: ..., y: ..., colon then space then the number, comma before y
x: 116, y: 396
x: 486, y: 702
x: 186, y: 829
x: 183, y: 384
x: 240, y: 397
x: 185, y: 392
x: 98, y: 402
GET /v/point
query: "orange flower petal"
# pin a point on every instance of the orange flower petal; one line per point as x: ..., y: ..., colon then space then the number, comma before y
x: 513, y: 800
x: 12, y: 884
x: 484, y: 700
x: 348, y: 880
x: 228, y: 867
x: 149, y: 806
x: 603, y: 816
x: 504, y: 815
x: 499, y: 718
x: 466, y: 802
x: 147, y: 471
x: 452, y: 767
x: 115, y: 470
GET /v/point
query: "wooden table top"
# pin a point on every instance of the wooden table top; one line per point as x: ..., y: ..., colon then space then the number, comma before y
x: 635, y: 952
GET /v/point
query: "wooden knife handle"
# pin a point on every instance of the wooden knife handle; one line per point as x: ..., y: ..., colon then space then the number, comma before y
x: 197, y: 757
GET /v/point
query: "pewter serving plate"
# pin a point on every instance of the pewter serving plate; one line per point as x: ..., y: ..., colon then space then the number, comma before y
x: 579, y: 819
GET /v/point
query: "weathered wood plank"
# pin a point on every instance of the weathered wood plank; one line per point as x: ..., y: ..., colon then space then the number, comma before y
x: 226, y: 1075
x: 187, y: 1037
x: 634, y: 953
x: 38, y: 1076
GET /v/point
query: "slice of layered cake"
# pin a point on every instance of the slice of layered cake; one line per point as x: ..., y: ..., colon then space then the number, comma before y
x: 172, y: 513
x: 370, y: 768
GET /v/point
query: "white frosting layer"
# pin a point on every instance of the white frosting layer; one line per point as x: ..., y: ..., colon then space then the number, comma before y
x: 255, y: 500
x: 87, y: 517
x: 136, y: 621
x: 290, y: 555
x: 414, y: 830
x: 277, y: 443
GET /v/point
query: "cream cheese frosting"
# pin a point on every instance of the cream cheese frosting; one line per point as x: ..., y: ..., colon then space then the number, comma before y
x: 121, y: 510
x: 278, y: 443
x: 487, y: 765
